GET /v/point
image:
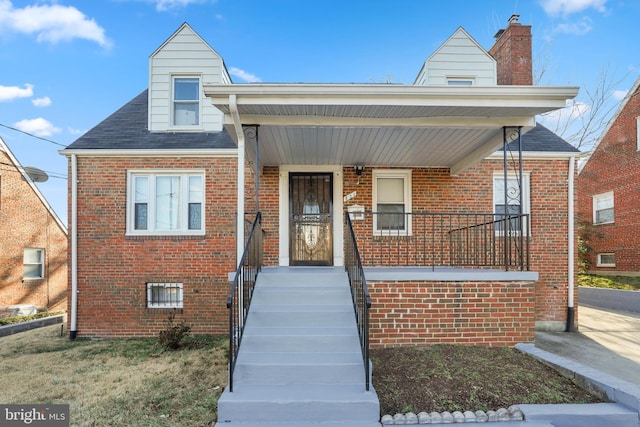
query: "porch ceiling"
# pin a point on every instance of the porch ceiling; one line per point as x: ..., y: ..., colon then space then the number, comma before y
x: 392, y: 125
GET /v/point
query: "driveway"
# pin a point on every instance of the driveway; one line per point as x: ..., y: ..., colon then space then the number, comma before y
x: 608, y: 340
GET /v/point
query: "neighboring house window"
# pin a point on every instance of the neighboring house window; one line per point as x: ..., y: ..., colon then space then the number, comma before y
x: 33, y: 263
x: 603, y: 208
x: 638, y: 132
x: 164, y: 295
x: 186, y: 101
x: 165, y: 203
x: 451, y: 81
x: 392, y: 202
x: 606, y: 260
x: 513, y: 203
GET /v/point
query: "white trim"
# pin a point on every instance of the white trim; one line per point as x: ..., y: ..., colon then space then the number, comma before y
x: 180, y: 295
x: 185, y: 128
x: 638, y: 132
x: 338, y: 203
x: 151, y: 174
x: 595, y: 198
x: 209, y: 152
x: 41, y: 263
x: 405, y: 174
x: 599, y: 262
x: 540, y: 155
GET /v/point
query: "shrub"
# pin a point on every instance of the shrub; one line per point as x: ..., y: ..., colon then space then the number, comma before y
x: 171, y: 337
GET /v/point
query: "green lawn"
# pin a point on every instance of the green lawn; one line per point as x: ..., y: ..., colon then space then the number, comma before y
x: 611, y: 282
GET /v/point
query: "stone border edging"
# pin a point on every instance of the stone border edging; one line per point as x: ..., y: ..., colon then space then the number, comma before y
x: 31, y: 324
x: 512, y: 414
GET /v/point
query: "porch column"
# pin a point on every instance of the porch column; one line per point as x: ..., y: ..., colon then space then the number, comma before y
x: 233, y: 108
x: 512, y: 134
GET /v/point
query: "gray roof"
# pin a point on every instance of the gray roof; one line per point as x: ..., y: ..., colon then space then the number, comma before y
x: 127, y: 129
x: 542, y: 139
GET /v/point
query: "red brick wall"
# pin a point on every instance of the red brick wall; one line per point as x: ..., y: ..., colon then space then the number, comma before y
x: 26, y: 223
x: 469, y: 313
x: 113, y: 268
x: 615, y: 166
x: 512, y: 52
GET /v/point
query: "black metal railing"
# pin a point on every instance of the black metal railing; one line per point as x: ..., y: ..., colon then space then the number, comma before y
x: 359, y: 294
x: 428, y: 239
x: 239, y: 298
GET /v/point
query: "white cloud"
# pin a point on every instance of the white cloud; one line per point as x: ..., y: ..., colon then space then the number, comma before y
x: 578, y: 28
x: 619, y: 95
x: 568, y: 7
x: 74, y: 131
x: 9, y: 93
x: 38, y: 127
x: 51, y: 23
x: 243, y: 75
x: 163, y: 5
x: 560, y: 119
x: 41, y: 102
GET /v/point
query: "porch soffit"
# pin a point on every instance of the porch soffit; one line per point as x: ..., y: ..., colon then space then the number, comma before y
x: 391, y: 125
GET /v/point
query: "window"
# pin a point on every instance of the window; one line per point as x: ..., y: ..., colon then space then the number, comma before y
x: 164, y: 295
x: 165, y: 203
x: 186, y: 101
x: 606, y: 260
x: 603, y: 208
x: 452, y: 81
x: 513, y: 202
x: 33, y: 263
x: 392, y: 202
x: 638, y: 132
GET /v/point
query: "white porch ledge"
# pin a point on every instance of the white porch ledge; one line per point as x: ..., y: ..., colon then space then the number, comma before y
x: 446, y: 274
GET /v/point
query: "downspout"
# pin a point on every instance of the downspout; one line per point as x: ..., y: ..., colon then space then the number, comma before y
x: 73, y: 327
x: 571, y: 250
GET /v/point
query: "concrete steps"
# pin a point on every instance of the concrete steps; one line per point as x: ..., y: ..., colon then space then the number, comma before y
x: 300, y: 359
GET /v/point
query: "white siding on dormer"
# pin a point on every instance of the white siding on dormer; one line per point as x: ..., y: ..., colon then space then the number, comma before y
x: 460, y: 58
x: 183, y: 54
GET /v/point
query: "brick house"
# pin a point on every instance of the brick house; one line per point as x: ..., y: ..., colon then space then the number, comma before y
x: 609, y: 193
x: 33, y: 253
x: 162, y: 194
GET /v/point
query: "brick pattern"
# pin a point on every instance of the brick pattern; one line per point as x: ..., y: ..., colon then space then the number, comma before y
x: 615, y: 166
x: 113, y: 269
x: 512, y: 52
x: 26, y: 223
x: 468, y: 313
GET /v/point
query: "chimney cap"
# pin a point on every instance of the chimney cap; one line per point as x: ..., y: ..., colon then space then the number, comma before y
x: 514, y: 19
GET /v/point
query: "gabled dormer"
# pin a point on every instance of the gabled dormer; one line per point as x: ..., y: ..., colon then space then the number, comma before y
x: 178, y: 69
x: 459, y: 61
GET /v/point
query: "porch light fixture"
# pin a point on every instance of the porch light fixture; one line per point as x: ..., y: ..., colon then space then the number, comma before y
x: 359, y: 168
x: 512, y: 135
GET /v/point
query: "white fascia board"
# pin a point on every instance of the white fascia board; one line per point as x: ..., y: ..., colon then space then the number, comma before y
x: 540, y: 155
x: 227, y: 152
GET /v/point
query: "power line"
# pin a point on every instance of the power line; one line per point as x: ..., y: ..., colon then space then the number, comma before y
x: 32, y: 135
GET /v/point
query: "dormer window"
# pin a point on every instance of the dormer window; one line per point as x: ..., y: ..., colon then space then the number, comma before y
x: 459, y: 81
x: 186, y: 101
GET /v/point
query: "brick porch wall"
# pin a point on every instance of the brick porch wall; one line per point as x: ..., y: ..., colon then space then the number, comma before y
x: 468, y: 313
x: 113, y: 268
x: 26, y: 223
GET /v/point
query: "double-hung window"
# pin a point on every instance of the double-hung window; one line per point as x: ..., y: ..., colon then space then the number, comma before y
x: 516, y: 204
x: 603, y: 208
x: 165, y: 203
x: 33, y: 260
x: 392, y: 202
x: 186, y: 101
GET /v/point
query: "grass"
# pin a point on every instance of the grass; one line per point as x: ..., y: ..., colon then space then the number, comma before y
x: 611, y: 282
x: 19, y: 319
x: 135, y: 382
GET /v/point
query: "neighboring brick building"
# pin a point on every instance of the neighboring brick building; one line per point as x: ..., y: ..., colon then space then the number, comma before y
x: 609, y: 194
x: 33, y: 248
x: 160, y: 210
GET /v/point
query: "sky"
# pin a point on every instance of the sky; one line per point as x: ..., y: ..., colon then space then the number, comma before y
x: 67, y: 65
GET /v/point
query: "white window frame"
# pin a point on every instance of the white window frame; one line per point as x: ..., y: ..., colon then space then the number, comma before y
x: 198, y: 124
x: 638, y: 132
x: 498, y: 197
x: 183, y: 203
x: 603, y: 197
x: 599, y: 262
x: 405, y: 174
x: 176, y: 302
x: 26, y: 257
x: 461, y: 81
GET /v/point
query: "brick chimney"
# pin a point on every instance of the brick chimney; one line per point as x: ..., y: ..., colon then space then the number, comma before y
x: 512, y: 52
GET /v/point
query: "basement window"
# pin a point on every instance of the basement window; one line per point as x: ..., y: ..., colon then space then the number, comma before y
x: 606, y: 260
x: 164, y: 295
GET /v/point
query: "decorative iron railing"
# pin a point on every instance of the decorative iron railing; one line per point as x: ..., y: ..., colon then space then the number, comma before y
x: 359, y: 294
x: 427, y: 239
x: 239, y: 298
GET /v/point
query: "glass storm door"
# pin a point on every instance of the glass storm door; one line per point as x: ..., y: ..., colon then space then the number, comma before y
x: 310, y: 218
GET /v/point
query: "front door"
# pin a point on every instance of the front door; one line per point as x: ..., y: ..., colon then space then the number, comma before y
x: 311, y: 218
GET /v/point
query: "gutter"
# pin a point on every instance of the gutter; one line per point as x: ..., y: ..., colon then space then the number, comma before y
x: 571, y: 249
x: 73, y: 324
